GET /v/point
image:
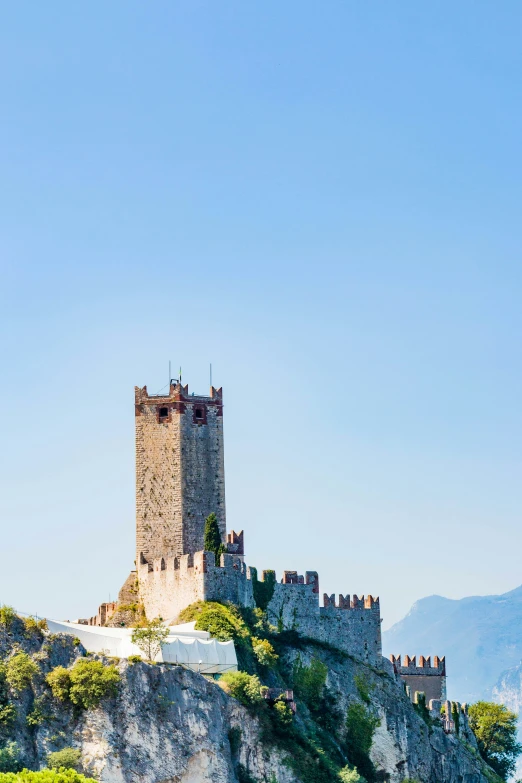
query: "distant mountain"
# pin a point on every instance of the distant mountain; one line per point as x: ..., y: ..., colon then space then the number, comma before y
x: 508, y: 689
x: 480, y: 636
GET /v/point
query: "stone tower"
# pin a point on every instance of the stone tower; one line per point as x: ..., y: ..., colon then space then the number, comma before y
x: 180, y: 475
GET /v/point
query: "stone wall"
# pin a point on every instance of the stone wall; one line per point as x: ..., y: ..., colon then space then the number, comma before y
x: 180, y: 477
x: 425, y: 678
x: 169, y: 585
x: 352, y: 625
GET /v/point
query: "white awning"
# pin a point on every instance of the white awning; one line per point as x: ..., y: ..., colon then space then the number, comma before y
x: 185, y: 646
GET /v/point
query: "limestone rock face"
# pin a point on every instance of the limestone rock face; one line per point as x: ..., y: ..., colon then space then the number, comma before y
x: 170, y: 724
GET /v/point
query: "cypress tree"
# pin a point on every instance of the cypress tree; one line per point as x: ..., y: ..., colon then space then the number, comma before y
x: 213, y: 541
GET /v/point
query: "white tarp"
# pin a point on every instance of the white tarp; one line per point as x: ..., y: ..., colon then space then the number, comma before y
x: 184, y: 645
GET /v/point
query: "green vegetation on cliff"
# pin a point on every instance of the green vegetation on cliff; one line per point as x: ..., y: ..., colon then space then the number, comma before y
x: 495, y: 728
x: 85, y: 684
x: 44, y: 776
x: 319, y: 745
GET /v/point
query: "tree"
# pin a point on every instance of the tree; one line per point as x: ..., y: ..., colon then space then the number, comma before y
x: 20, y: 671
x: 309, y: 681
x: 244, y: 687
x: 66, y: 758
x: 85, y: 685
x: 150, y: 637
x: 212, y: 542
x: 7, y: 616
x: 264, y: 652
x: 495, y: 728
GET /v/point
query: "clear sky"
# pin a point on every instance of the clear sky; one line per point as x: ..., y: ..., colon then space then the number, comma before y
x: 323, y: 199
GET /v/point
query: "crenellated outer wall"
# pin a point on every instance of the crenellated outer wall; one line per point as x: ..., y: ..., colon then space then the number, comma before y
x: 171, y: 584
x: 352, y: 625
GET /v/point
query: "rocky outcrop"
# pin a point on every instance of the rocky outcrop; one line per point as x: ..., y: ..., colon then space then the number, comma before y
x: 170, y: 724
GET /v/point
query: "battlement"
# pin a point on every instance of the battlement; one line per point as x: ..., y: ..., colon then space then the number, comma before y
x: 354, y: 603
x: 105, y: 612
x: 410, y: 665
x: 293, y: 578
x: 295, y: 606
x: 198, y: 563
x: 236, y: 543
x: 177, y: 395
x: 422, y: 676
x: 168, y: 585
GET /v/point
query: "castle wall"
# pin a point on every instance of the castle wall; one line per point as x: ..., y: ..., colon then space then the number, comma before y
x: 169, y: 585
x: 158, y: 482
x: 180, y: 476
x: 352, y: 625
x: 422, y: 677
x: 357, y: 631
x: 203, y: 473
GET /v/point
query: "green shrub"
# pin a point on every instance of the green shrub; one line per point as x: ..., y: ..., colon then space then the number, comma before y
x: 246, y: 688
x: 67, y: 758
x: 420, y: 706
x: 7, y: 710
x: 46, y: 776
x: 264, y: 651
x: 37, y: 714
x: 244, y: 776
x: 86, y: 684
x: 20, y: 671
x: 309, y: 681
x: 283, y: 713
x: 234, y: 738
x: 350, y: 775
x: 7, y: 616
x: 222, y: 622
x: 9, y: 758
x: 363, y: 688
x: 60, y: 681
x: 132, y: 659
x: 7, y: 713
x: 263, y: 591
x: 360, y: 728
x: 32, y: 625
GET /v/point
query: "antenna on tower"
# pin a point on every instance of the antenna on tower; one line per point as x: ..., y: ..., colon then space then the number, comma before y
x: 211, y: 375
x: 170, y: 374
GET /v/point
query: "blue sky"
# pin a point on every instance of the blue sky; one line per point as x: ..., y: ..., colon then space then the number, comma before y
x: 321, y: 199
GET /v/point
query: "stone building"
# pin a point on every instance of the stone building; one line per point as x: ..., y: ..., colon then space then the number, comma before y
x: 180, y: 480
x: 422, y: 677
x: 180, y: 471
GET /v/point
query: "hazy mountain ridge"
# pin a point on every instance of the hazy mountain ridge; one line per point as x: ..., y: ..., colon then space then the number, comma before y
x: 481, y: 637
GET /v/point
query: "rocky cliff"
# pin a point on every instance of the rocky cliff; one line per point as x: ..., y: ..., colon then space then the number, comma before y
x: 166, y: 723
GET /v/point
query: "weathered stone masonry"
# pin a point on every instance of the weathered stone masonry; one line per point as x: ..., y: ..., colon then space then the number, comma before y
x: 169, y: 585
x: 352, y: 625
x: 180, y: 480
x: 180, y: 472
x: 422, y: 677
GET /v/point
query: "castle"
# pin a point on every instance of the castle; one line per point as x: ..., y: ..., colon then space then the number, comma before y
x: 180, y: 481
